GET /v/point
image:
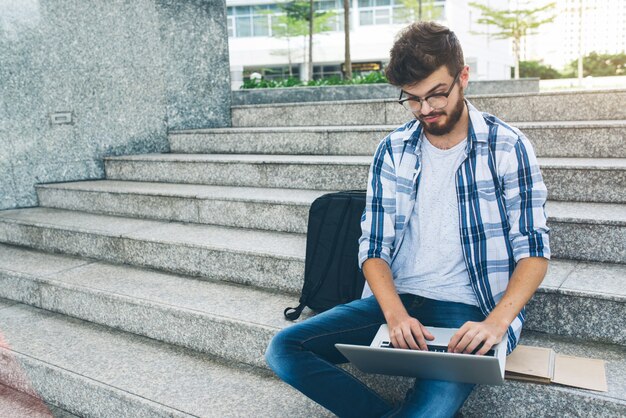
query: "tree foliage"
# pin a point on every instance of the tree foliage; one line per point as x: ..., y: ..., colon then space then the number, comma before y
x: 294, y: 20
x: 599, y: 65
x: 416, y: 10
x: 537, y: 69
x: 514, y: 24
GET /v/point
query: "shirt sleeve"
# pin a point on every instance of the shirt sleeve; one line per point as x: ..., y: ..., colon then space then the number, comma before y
x: 525, y: 196
x: 378, y: 219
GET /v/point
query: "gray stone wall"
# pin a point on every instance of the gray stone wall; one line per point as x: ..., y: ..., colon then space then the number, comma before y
x: 126, y: 71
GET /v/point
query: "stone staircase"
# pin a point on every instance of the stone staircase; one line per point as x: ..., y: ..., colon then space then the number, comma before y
x: 154, y: 292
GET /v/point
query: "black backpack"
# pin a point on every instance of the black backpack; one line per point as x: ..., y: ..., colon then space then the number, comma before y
x: 331, y: 270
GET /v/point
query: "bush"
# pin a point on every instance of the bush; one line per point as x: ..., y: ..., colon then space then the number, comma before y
x: 536, y: 69
x: 599, y: 65
x: 370, y: 78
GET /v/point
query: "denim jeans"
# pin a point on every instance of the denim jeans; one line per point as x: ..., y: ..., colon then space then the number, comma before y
x: 304, y: 356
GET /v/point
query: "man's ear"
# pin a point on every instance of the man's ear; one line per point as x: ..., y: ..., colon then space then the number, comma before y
x: 464, y: 77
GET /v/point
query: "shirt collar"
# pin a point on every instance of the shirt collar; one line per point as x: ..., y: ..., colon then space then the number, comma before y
x: 477, y: 130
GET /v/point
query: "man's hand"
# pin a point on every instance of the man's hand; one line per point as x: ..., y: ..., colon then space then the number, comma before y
x: 407, y: 332
x: 472, y: 334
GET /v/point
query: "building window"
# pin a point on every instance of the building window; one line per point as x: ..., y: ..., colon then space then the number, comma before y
x: 327, y: 71
x: 248, y: 21
x: 272, y: 73
x: 386, y: 12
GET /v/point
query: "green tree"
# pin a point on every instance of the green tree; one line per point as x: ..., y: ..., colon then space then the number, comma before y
x: 537, y: 69
x: 295, y: 20
x: 599, y: 65
x: 417, y: 10
x: 514, y: 24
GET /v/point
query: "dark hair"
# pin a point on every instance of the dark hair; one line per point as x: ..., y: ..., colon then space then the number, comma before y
x: 420, y: 49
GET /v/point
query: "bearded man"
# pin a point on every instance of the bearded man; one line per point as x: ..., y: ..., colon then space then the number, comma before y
x: 454, y: 235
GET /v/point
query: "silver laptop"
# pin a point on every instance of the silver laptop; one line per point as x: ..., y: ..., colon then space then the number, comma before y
x: 379, y: 357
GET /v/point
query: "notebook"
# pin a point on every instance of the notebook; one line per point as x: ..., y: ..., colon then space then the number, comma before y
x: 436, y: 363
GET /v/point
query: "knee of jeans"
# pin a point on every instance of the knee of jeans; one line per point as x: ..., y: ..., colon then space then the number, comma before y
x: 279, y: 349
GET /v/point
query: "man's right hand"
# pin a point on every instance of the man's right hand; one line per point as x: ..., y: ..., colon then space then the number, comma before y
x: 407, y: 332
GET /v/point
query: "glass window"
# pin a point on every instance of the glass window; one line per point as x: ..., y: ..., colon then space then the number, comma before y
x: 366, y: 3
x: 383, y: 2
x: 229, y: 11
x: 382, y: 17
x: 261, y: 28
x: 244, y: 27
x: 242, y: 10
x: 366, y: 17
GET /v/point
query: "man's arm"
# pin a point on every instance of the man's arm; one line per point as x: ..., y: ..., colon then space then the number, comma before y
x: 526, y: 278
x: 375, y: 250
x: 525, y: 196
x: 404, y: 330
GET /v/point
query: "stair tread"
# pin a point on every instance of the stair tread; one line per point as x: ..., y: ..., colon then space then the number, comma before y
x: 177, y: 379
x: 282, y: 244
x: 215, y: 298
x: 557, y: 162
x: 360, y: 128
x: 249, y: 158
x: 470, y: 97
x: 591, y: 212
x: 200, y: 191
x: 234, y: 302
x: 147, y: 368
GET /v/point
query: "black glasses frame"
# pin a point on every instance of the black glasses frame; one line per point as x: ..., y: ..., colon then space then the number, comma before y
x: 401, y: 101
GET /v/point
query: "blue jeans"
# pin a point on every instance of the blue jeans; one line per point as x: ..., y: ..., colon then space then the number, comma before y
x: 304, y: 356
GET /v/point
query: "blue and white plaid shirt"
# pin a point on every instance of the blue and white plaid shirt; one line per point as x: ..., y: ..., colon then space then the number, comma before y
x: 501, y: 198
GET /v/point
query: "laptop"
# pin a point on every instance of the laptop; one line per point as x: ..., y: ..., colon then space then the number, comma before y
x: 379, y: 357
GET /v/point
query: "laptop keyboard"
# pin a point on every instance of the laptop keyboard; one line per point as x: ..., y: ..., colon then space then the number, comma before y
x: 436, y: 348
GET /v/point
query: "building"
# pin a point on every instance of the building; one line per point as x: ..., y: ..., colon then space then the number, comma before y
x: 599, y: 28
x: 252, y: 25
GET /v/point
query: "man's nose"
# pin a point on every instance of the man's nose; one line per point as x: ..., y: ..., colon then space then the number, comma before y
x: 425, y: 108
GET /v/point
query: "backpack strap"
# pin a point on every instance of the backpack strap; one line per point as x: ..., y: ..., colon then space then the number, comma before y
x: 294, y: 313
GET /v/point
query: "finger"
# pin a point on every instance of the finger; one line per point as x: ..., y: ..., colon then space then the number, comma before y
x: 488, y: 344
x: 427, y: 334
x: 408, y: 336
x: 476, y: 341
x: 454, y: 341
x: 400, y: 342
x: 416, y: 329
x: 467, y: 338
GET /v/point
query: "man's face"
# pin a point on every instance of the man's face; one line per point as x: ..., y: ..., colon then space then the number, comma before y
x: 439, y: 121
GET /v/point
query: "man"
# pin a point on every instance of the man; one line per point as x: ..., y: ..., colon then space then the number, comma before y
x: 454, y: 235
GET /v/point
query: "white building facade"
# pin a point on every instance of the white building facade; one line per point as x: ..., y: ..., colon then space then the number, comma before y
x: 601, y: 28
x: 373, y: 27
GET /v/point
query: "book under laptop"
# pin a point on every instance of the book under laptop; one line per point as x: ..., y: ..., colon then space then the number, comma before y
x: 379, y: 357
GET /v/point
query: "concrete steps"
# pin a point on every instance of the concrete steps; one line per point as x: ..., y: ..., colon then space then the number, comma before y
x: 253, y: 256
x: 287, y: 211
x: 234, y: 254
x: 162, y: 285
x: 92, y: 370
x: 156, y: 304
x: 527, y: 107
x: 590, y: 139
x: 576, y: 179
x: 214, y: 318
x: 284, y: 210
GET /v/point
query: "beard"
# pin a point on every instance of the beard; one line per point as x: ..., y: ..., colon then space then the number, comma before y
x: 452, y: 119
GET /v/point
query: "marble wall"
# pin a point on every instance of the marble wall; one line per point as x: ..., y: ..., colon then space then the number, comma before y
x: 127, y: 70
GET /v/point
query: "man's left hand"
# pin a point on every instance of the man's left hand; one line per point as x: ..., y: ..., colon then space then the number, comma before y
x: 472, y: 334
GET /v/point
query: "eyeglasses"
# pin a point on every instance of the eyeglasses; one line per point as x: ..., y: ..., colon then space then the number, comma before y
x: 436, y: 101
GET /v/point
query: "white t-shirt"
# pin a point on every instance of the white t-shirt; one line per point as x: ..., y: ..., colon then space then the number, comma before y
x: 430, y: 260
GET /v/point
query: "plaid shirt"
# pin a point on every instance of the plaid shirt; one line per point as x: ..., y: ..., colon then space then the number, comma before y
x: 501, y: 198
